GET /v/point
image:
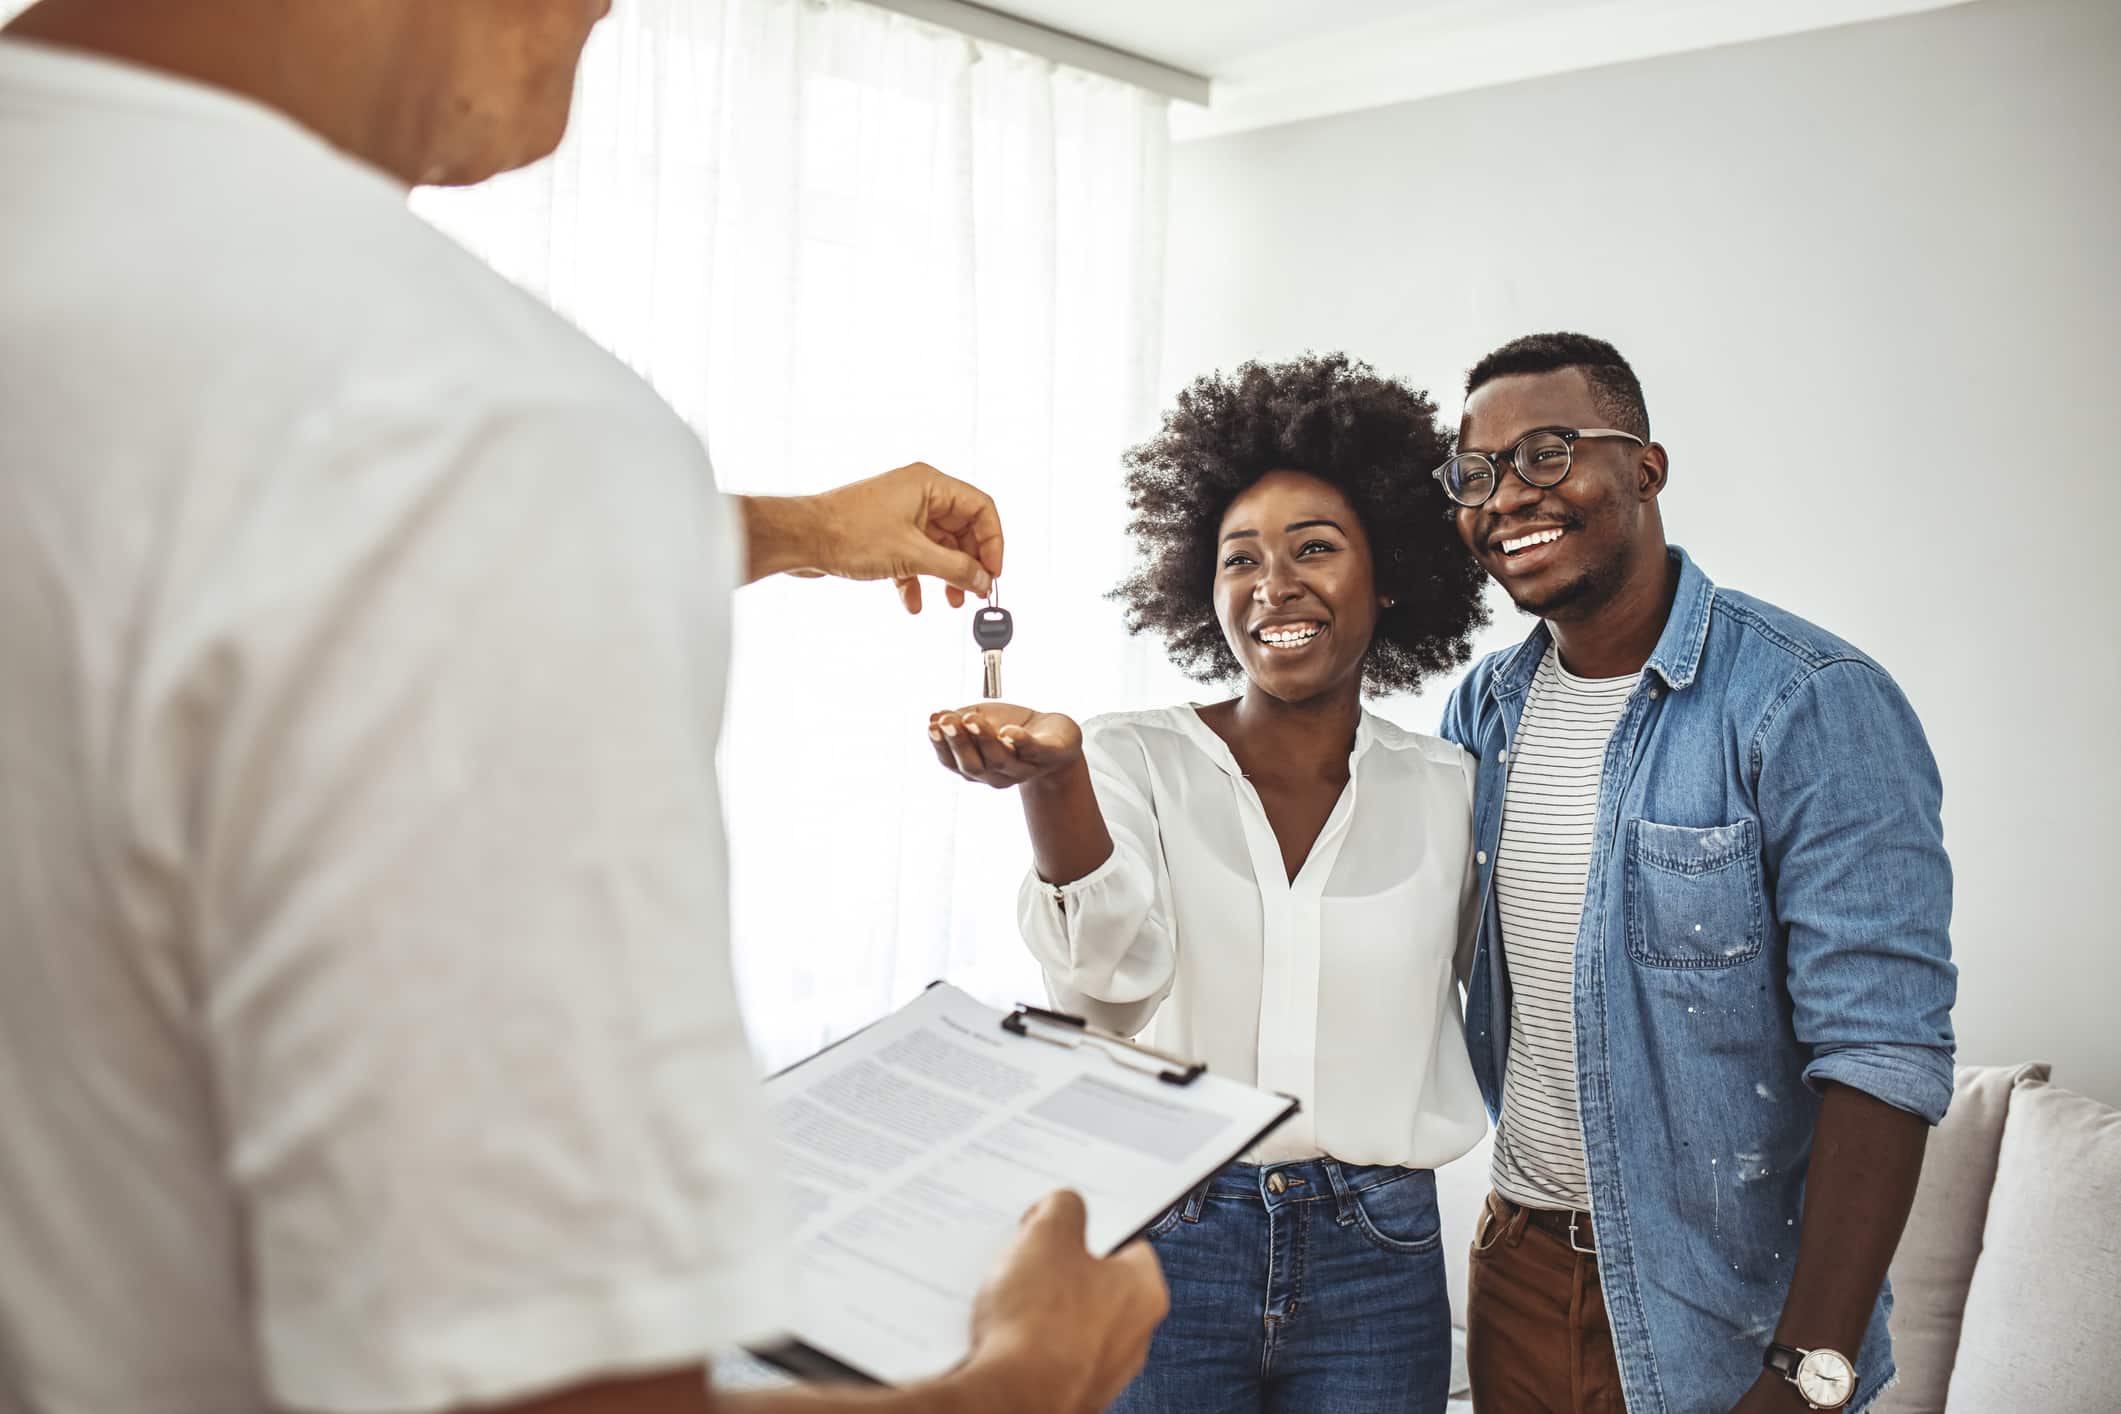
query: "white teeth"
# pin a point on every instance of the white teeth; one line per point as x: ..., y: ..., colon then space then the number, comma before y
x: 1522, y: 542
x: 1289, y: 636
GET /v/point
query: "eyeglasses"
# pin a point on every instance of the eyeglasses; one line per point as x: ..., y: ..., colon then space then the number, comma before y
x: 1542, y: 458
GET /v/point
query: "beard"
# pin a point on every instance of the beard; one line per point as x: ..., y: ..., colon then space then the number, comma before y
x: 1590, y: 590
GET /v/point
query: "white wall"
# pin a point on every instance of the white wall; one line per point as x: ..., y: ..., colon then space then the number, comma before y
x: 1869, y: 279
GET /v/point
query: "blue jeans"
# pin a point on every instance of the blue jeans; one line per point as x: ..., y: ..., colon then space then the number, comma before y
x: 1310, y: 1288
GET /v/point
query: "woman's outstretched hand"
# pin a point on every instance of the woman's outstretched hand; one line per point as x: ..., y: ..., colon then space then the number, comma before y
x: 1000, y: 745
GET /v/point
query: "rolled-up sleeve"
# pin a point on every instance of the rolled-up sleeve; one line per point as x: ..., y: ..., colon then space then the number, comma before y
x: 1851, y: 806
x: 1105, y: 941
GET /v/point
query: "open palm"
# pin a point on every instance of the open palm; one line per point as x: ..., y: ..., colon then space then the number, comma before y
x: 1001, y: 744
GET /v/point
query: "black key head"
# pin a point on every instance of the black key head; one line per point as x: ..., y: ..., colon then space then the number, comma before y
x: 992, y: 628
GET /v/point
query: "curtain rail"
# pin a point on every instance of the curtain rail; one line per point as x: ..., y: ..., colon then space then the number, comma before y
x: 979, y: 22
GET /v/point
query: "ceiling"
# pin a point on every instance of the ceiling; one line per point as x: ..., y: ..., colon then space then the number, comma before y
x: 1278, y: 61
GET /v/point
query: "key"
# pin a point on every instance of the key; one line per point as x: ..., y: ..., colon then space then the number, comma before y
x: 992, y: 628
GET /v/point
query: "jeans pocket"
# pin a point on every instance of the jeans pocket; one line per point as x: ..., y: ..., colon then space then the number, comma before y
x: 1170, y: 1219
x: 1399, y: 1214
x: 1487, y: 1229
x: 1694, y: 895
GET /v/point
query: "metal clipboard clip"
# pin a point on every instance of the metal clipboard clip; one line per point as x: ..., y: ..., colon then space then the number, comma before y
x: 1073, y: 1031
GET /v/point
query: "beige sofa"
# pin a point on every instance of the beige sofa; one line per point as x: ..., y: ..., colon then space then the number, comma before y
x: 2008, y: 1279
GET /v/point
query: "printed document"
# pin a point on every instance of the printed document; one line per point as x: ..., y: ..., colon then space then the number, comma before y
x: 913, y: 1148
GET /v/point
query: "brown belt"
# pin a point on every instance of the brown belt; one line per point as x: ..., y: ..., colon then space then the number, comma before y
x: 1571, y: 1227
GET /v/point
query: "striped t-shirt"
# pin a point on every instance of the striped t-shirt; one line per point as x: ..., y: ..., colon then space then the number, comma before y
x: 1549, y: 809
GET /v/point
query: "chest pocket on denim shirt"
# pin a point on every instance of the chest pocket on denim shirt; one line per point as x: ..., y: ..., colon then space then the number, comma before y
x: 1693, y: 895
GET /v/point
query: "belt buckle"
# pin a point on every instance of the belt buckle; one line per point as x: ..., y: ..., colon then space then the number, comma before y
x: 1574, y: 1245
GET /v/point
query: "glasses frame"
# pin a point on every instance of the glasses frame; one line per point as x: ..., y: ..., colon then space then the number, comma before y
x: 1569, y: 436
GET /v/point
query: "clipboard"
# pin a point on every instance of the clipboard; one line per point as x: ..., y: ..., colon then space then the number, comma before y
x: 806, y: 1361
x: 1171, y: 1069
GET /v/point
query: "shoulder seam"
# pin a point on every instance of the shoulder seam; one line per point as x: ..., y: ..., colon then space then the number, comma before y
x: 1809, y: 655
x: 1756, y: 751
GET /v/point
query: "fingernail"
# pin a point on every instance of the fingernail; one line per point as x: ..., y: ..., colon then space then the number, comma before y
x: 972, y: 727
x: 949, y: 730
x: 934, y: 735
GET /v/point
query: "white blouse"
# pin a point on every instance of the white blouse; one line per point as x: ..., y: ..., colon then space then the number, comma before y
x: 1339, y: 987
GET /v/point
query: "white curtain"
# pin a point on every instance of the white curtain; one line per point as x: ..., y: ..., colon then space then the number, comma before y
x: 838, y: 240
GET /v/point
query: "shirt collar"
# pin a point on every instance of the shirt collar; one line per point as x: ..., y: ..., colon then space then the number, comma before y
x: 1677, y: 656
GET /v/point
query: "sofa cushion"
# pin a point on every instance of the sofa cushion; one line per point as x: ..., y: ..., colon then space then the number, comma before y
x: 2043, y: 1314
x: 1935, y: 1262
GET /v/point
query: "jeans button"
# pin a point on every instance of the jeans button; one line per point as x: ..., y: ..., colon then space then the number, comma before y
x: 1276, y: 1183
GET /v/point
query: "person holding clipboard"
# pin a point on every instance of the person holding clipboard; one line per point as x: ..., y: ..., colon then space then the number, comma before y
x: 1280, y: 885
x: 368, y: 1036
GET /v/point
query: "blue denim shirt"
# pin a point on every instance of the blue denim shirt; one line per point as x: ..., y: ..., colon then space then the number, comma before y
x: 1767, y: 909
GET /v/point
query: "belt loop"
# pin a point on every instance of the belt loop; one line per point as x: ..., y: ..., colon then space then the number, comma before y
x: 1515, y: 1219
x: 1500, y: 1222
x: 1481, y: 1225
x: 1196, y: 1200
x: 1343, y: 1200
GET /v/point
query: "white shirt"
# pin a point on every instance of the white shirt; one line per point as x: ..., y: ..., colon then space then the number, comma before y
x: 1543, y: 861
x: 1338, y: 987
x: 367, y: 1035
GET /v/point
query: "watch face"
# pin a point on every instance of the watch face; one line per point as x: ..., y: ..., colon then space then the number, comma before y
x: 1826, y: 1379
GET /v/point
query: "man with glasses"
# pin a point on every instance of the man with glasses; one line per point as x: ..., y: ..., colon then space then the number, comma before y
x: 1710, y: 1004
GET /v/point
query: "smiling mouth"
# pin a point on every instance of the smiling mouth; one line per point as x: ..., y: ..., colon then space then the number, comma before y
x: 1288, y: 637
x: 1532, y: 540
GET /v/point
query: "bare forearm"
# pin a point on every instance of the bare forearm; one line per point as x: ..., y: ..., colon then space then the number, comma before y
x: 1068, y: 835
x: 1866, y: 1158
x: 901, y: 526
x: 782, y: 534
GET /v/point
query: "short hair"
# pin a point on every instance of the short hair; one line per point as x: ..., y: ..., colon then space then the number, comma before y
x: 1613, y: 384
x: 1373, y: 439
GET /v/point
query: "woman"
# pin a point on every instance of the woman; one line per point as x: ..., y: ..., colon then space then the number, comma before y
x: 1278, y: 884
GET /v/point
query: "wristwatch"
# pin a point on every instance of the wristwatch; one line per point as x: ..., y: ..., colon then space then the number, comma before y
x: 1824, y: 1378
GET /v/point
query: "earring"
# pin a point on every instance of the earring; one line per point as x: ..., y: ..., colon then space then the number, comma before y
x: 1389, y: 601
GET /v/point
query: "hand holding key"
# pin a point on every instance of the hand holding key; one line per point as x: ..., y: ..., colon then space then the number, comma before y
x: 1000, y: 744
x: 900, y: 526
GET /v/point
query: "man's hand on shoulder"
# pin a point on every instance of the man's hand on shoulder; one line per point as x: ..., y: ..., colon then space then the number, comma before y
x: 902, y: 526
